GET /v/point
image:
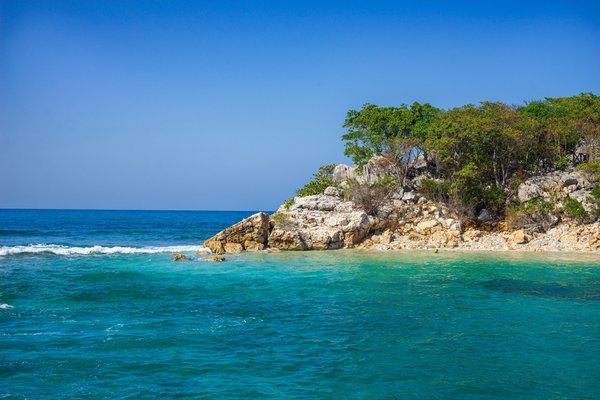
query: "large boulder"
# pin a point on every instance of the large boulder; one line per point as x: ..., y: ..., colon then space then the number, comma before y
x: 379, y: 167
x: 343, y: 172
x: 249, y: 234
x: 528, y: 191
x: 320, y: 222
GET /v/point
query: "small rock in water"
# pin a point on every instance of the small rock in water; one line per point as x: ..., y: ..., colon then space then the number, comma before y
x: 179, y: 257
x: 215, y: 259
x: 202, y: 252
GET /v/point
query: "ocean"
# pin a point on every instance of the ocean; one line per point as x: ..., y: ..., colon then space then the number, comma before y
x: 93, y: 307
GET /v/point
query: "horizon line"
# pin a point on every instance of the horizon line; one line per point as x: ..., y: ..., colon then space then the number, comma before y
x: 120, y: 209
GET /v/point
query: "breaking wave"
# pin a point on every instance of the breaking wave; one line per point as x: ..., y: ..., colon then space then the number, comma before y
x: 74, y: 250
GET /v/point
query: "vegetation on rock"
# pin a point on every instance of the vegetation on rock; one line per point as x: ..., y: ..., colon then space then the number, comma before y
x: 321, y: 181
x: 475, y: 152
x: 370, y: 196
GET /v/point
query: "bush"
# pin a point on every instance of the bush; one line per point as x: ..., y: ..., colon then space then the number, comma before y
x: 468, y: 195
x: 592, y: 168
x: 596, y: 193
x: 595, y: 200
x: 288, y: 203
x: 370, y: 197
x: 536, y: 212
x: 435, y: 190
x: 562, y: 162
x: 574, y: 209
x: 279, y: 217
x: 321, y: 181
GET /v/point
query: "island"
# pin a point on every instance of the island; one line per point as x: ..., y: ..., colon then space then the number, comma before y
x: 490, y: 176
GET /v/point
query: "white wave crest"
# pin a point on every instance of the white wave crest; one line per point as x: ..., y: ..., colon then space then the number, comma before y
x: 70, y: 250
x: 6, y: 306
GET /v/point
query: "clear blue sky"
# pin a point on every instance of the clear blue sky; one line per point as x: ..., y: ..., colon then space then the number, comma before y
x: 233, y: 105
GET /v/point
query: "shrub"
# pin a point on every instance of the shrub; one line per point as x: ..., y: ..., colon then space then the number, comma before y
x: 536, y: 212
x: 435, y: 190
x: 370, y: 197
x: 574, y: 209
x: 288, y: 203
x: 562, y: 162
x: 279, y: 217
x: 596, y: 193
x: 321, y: 180
x: 595, y: 200
x: 592, y: 168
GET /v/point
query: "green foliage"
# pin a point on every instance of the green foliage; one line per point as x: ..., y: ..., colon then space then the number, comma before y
x: 596, y: 192
x: 484, y: 150
x: 321, y: 180
x: 562, y: 162
x: 288, y: 203
x: 536, y: 212
x: 537, y: 205
x: 574, y: 209
x: 437, y: 190
x: 374, y: 129
x: 279, y: 217
x: 327, y: 169
x: 592, y: 168
x: 594, y: 199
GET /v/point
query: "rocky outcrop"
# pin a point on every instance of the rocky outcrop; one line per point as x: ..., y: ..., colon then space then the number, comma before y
x: 320, y: 222
x: 408, y: 220
x: 556, y: 186
x: 249, y: 234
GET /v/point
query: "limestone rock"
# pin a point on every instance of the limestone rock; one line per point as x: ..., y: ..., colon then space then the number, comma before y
x: 410, y: 197
x: 426, y: 225
x: 342, y: 173
x: 570, y: 238
x: 528, y: 191
x: 249, y: 234
x: 520, y: 237
x: 332, y: 191
x: 286, y: 239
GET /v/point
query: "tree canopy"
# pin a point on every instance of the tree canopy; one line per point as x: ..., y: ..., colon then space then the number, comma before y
x: 477, y: 151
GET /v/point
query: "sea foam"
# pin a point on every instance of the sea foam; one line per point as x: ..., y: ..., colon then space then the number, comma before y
x: 75, y: 250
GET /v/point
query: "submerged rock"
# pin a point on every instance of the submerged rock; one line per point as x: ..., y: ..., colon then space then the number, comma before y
x: 180, y: 257
x: 215, y: 259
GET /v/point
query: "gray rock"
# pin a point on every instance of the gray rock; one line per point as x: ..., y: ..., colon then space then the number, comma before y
x: 332, y: 191
x: 410, y: 197
x: 569, y: 181
x: 485, y: 216
x: 528, y: 191
x: 343, y: 172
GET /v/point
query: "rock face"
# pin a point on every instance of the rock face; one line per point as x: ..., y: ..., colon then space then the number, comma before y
x: 528, y: 191
x: 320, y: 222
x: 249, y: 234
x: 409, y: 221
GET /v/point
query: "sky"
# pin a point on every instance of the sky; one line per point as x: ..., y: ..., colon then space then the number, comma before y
x: 233, y: 105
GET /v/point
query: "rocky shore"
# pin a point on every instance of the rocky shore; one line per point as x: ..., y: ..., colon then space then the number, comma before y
x: 408, y: 220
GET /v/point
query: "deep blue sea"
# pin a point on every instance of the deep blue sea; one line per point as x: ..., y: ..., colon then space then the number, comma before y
x: 93, y: 307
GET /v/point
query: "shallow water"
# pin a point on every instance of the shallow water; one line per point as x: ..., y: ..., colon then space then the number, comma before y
x: 353, y: 324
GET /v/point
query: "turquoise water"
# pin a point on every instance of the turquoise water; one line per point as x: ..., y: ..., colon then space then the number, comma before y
x: 124, y: 321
